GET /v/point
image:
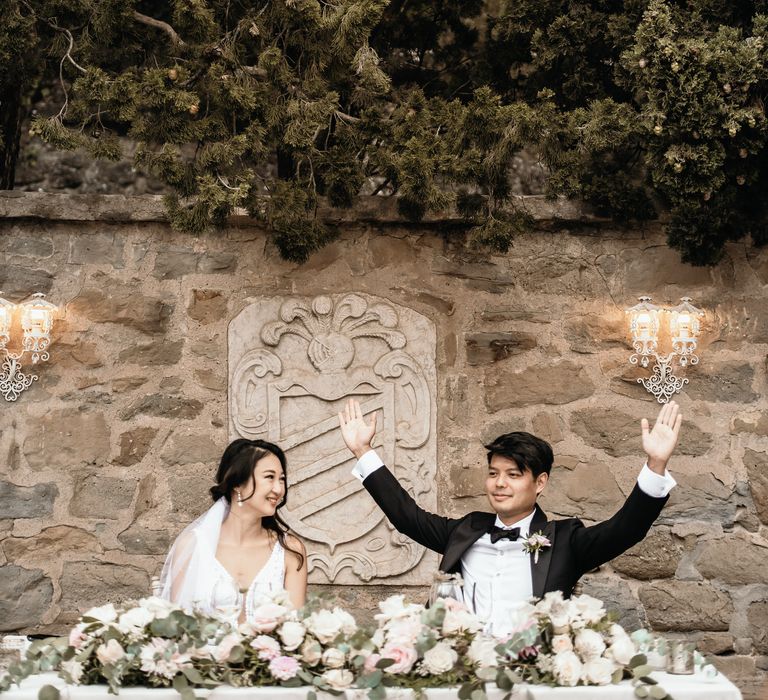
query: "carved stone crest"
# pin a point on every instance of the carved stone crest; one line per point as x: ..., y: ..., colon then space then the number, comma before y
x: 293, y: 363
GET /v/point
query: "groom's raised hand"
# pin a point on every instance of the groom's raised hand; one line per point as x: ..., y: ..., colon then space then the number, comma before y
x: 659, y: 443
x: 357, y: 433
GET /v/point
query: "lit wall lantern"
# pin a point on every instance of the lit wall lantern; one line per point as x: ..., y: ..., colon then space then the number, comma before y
x: 645, y: 323
x: 36, y: 317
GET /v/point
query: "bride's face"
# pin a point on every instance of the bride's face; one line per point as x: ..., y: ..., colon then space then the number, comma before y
x: 267, y: 486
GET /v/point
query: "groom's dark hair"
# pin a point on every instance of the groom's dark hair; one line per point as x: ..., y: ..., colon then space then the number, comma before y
x: 528, y: 452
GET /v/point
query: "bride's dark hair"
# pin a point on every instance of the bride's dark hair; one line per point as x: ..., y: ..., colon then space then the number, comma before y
x: 236, y: 467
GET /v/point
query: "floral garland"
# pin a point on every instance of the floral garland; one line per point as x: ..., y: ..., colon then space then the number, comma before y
x: 155, y: 643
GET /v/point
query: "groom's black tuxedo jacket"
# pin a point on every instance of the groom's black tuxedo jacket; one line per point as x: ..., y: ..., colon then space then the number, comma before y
x: 575, y: 549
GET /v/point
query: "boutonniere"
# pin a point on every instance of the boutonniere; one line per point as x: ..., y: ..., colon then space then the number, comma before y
x: 534, y: 543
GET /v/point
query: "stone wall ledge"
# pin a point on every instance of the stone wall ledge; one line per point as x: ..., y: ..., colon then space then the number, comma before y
x: 16, y: 204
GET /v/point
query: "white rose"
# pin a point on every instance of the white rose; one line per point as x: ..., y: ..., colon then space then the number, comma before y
x: 560, y: 623
x: 134, y: 620
x: 395, y: 606
x: 591, y: 609
x: 561, y: 643
x: 338, y: 678
x: 311, y: 653
x: 110, y: 653
x: 378, y: 638
x: 544, y: 606
x: 348, y: 624
x: 544, y: 663
x: 589, y: 644
x: 482, y: 652
x: 292, y: 633
x: 325, y: 625
x: 159, y: 607
x: 333, y: 658
x: 598, y: 671
x: 403, y: 630
x: 105, y: 613
x: 566, y: 668
x: 578, y: 623
x: 457, y: 621
x: 617, y: 631
x: 622, y: 650
x: 267, y: 616
x: 224, y: 648
x: 74, y: 669
x: 267, y: 647
x: 440, y: 658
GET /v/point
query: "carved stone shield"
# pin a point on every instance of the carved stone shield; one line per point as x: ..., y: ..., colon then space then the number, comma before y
x: 293, y: 365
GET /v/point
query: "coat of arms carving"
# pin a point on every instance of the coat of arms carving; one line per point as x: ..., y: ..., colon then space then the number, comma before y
x: 293, y: 363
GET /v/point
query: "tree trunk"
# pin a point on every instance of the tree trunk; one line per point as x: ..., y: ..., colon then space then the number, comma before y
x: 11, y: 116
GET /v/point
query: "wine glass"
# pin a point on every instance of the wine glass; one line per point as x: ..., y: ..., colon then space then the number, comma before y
x: 226, y: 600
x: 446, y: 586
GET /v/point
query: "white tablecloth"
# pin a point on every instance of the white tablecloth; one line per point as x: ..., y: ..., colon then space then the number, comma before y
x: 695, y: 687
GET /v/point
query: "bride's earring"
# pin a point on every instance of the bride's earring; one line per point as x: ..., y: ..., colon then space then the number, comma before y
x: 239, y: 498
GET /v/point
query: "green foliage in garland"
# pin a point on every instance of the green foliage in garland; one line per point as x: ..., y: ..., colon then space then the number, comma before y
x: 636, y: 107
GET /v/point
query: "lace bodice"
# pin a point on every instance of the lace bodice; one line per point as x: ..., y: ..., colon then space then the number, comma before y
x: 226, y: 598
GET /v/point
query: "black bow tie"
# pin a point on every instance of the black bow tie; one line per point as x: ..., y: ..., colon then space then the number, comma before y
x: 500, y: 533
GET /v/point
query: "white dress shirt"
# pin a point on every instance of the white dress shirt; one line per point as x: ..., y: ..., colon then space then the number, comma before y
x: 497, y: 576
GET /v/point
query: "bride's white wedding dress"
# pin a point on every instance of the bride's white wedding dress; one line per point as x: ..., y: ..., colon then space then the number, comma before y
x: 195, y: 579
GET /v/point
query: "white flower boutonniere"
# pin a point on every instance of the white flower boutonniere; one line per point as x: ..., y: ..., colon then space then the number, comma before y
x: 534, y: 543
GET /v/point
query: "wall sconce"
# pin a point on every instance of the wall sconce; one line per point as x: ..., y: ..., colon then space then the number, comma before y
x: 36, y: 320
x: 644, y: 326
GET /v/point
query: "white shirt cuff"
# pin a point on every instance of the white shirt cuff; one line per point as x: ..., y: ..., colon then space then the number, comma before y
x: 366, y: 465
x: 653, y: 484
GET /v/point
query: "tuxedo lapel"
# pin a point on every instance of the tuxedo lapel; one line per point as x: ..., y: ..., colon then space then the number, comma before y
x: 467, y: 532
x: 540, y: 568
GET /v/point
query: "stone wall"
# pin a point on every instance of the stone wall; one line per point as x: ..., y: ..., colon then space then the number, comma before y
x: 112, y: 451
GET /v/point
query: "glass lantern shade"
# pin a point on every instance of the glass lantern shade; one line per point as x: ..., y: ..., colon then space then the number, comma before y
x: 644, y: 321
x: 684, y: 323
x: 6, y: 318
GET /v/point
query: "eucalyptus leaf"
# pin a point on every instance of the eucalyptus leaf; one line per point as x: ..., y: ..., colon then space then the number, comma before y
x: 48, y: 692
x: 642, y: 670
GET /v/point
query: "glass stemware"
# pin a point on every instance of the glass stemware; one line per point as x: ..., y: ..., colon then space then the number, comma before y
x: 446, y: 586
x: 227, y: 600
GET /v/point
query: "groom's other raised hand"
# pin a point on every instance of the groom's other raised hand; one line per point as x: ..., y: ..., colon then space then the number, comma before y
x: 659, y: 443
x: 356, y: 431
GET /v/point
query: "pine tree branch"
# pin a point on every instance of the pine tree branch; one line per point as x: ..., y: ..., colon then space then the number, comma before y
x: 255, y: 72
x: 159, y: 24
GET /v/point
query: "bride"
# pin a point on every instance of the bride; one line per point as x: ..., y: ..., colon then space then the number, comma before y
x: 239, y: 550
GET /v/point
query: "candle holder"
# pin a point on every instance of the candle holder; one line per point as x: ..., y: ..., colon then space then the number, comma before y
x: 644, y: 326
x: 36, y: 317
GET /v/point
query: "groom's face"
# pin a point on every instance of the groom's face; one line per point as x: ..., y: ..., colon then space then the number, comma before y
x: 511, y: 491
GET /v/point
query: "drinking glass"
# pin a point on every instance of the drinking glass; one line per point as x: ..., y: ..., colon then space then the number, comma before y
x: 226, y: 600
x: 680, y: 657
x: 446, y: 586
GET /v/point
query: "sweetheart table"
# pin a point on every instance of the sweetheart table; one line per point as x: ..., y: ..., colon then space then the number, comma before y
x: 695, y: 687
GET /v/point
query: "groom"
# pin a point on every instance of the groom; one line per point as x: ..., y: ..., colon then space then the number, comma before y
x: 501, y: 561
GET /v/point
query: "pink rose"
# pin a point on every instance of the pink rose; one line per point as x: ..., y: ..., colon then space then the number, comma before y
x: 268, y: 616
x: 76, y: 637
x: 370, y: 662
x: 403, y: 656
x: 284, y: 668
x: 110, y: 653
x: 453, y: 604
x: 224, y: 648
x: 267, y: 647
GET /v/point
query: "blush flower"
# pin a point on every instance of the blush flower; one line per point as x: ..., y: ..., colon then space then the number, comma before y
x: 284, y: 668
x: 403, y: 655
x: 266, y: 647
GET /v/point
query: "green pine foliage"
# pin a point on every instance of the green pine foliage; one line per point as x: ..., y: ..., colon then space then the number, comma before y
x: 635, y: 107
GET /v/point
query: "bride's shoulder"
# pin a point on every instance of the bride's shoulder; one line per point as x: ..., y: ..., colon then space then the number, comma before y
x: 294, y: 547
x: 293, y: 541
x: 186, y: 539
